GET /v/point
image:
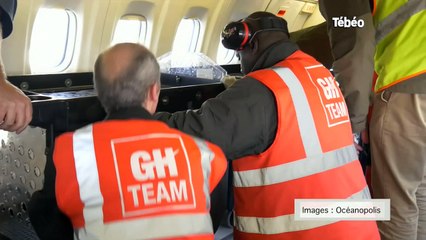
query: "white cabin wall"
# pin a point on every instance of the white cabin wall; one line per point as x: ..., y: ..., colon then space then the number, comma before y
x: 230, y: 11
x: 89, y: 20
x: 165, y: 28
x: 150, y: 9
x: 90, y: 25
x: 97, y: 20
x: 295, y: 15
x: 219, y: 17
x: 315, y: 19
x: 15, y: 47
x: 165, y: 16
x: 176, y: 11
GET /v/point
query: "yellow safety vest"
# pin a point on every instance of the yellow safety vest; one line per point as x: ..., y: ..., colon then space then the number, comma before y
x: 400, y: 41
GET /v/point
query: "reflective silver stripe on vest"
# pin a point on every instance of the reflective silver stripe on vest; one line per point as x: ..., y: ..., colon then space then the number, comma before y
x: 206, y: 157
x: 144, y: 228
x: 398, y: 17
x: 87, y: 174
x: 308, y: 131
x: 285, y: 223
x: 315, y: 162
x: 148, y: 228
x: 294, y: 170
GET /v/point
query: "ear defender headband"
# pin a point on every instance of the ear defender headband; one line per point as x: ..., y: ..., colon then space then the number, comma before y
x: 237, y: 34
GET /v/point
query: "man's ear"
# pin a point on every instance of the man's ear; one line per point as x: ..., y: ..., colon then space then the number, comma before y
x: 152, y: 97
x: 154, y: 92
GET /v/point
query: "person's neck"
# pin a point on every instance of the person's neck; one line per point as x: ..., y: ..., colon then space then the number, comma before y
x: 275, y: 53
x: 135, y: 112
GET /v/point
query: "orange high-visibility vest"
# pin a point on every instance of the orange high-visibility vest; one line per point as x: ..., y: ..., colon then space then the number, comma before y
x: 136, y: 179
x: 312, y: 157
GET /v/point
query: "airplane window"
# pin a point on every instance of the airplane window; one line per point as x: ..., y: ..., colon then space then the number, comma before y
x: 187, y: 35
x: 130, y: 28
x: 52, y: 40
x: 226, y: 56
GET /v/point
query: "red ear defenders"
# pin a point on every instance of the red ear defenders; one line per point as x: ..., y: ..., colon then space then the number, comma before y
x: 237, y: 34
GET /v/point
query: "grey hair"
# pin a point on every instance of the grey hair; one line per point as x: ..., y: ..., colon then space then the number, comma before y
x: 130, y: 87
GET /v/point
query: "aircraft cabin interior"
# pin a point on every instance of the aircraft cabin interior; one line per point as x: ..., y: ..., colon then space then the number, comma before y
x: 51, y: 53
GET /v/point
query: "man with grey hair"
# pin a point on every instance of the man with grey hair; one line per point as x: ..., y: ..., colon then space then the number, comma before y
x: 131, y: 177
x: 123, y: 84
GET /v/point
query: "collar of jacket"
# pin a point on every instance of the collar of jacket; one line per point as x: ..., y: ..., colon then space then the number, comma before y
x: 129, y: 113
x: 275, y: 53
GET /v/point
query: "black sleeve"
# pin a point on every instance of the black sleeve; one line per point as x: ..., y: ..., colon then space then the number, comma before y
x: 48, y: 221
x: 218, y: 201
x: 242, y: 120
x: 315, y: 42
x: 7, y: 13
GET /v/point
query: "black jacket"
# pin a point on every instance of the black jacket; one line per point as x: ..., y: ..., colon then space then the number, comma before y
x: 51, y: 224
x: 7, y: 13
x: 242, y: 120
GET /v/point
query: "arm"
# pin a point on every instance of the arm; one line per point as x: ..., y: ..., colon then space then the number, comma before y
x: 353, y: 51
x: 218, y: 186
x: 219, y: 199
x: 242, y: 120
x: 15, y: 107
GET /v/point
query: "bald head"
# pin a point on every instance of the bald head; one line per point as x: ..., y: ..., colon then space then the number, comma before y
x: 115, y: 61
x: 124, y: 75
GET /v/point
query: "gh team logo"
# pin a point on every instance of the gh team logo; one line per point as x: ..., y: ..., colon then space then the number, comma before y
x: 153, y: 179
x: 331, y: 97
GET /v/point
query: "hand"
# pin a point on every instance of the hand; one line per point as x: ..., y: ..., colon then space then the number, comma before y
x: 357, y: 143
x: 229, y: 81
x: 15, y: 108
x: 360, y: 138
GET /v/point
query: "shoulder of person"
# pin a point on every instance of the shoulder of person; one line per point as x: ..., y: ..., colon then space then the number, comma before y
x: 7, y: 13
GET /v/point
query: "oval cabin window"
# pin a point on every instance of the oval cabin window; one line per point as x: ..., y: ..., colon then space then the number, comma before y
x: 226, y: 56
x: 187, y: 35
x: 52, y: 40
x: 130, y: 28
